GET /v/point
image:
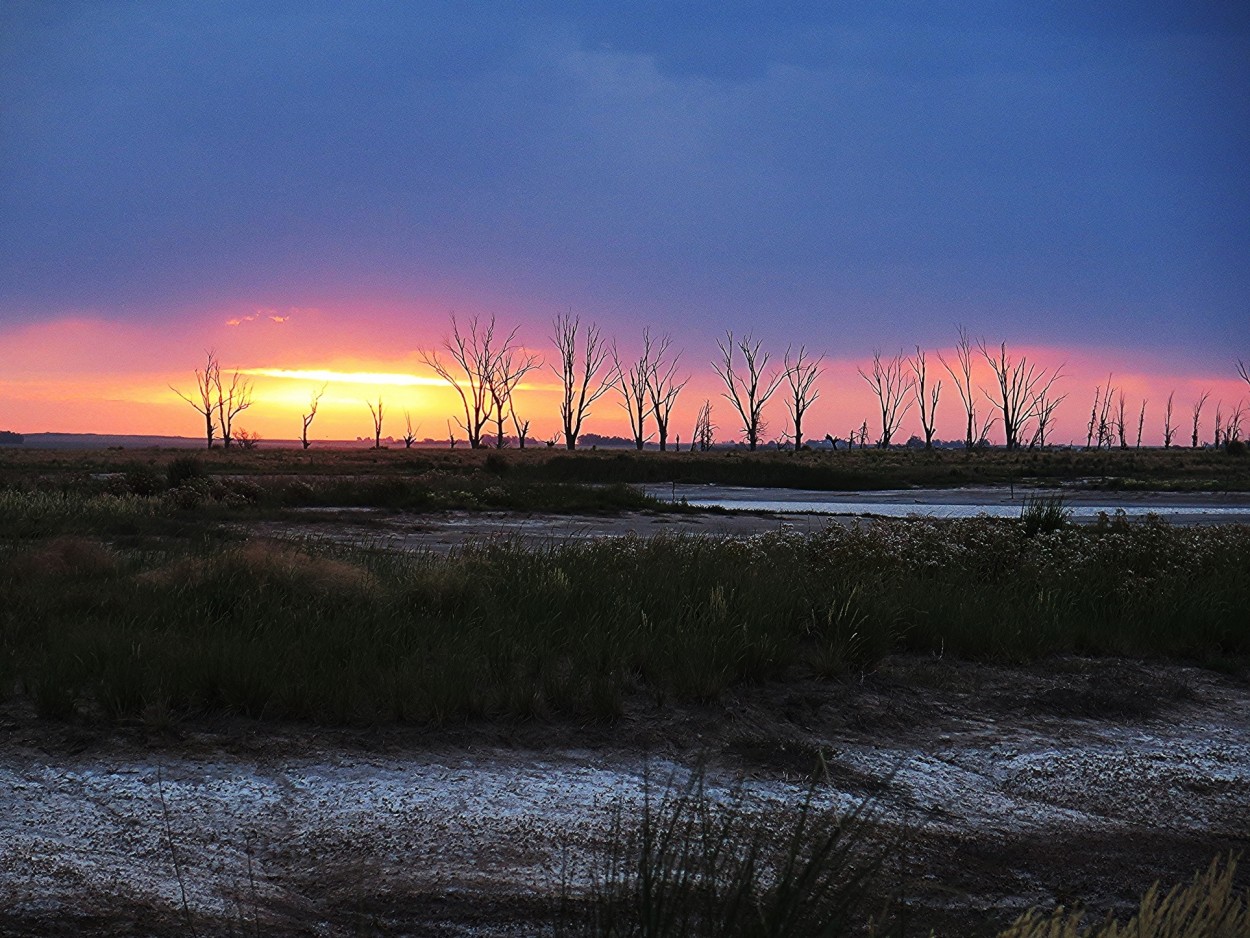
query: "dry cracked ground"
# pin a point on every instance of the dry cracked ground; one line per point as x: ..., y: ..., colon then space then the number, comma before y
x: 1075, y: 780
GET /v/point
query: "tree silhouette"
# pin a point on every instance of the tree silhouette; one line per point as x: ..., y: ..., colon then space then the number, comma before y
x: 205, y: 380
x: 313, y: 401
x: 890, y: 384
x: 376, y: 413
x: 801, y: 373
x: 582, y: 355
x: 472, y: 357
x: 748, y: 391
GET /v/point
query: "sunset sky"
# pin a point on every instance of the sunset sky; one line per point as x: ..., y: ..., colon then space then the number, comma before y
x: 312, y: 189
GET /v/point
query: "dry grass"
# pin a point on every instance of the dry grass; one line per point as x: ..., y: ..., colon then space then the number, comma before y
x: 1208, y: 907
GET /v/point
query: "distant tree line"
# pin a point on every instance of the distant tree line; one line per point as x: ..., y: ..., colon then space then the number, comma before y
x: 485, y: 365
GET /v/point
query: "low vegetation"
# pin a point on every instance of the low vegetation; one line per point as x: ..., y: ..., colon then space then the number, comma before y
x: 364, y: 473
x: 207, y: 622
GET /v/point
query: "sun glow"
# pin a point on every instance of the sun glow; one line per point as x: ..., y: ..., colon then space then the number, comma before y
x: 388, y: 379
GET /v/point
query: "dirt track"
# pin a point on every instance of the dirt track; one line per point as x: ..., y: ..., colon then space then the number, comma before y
x: 1077, y: 780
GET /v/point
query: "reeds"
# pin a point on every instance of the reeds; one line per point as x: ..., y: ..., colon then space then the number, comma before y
x: 314, y: 631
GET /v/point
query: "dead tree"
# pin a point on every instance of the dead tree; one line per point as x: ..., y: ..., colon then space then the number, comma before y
x: 580, y: 362
x: 663, y: 388
x: 630, y: 379
x: 1093, y: 419
x: 704, y: 430
x: 1243, y: 371
x: 891, y: 385
x: 410, y: 435
x: 231, y: 401
x: 963, y: 383
x: 205, y: 380
x: 1044, y: 409
x: 801, y: 373
x: 376, y: 413
x: 510, y: 364
x: 1119, y: 421
x: 1232, y: 430
x: 748, y: 391
x: 1198, y: 405
x: 313, y: 401
x: 472, y: 354
x: 926, y: 399
x: 1020, y: 383
x: 1169, y: 431
x: 1141, y: 422
x: 1106, y: 422
x: 1219, y: 420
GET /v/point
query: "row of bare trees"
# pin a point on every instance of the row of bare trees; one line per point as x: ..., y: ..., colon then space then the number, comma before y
x: 485, y: 366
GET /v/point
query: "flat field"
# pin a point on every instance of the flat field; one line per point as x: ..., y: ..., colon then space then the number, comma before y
x: 232, y: 707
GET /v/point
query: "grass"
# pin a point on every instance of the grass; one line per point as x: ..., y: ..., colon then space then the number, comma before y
x: 123, y: 626
x: 734, y: 865
x: 1208, y: 907
x: 146, y: 470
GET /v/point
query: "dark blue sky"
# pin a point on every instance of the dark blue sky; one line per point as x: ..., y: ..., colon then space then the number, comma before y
x: 846, y: 174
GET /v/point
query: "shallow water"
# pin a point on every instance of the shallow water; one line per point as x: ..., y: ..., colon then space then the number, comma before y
x: 1189, y: 508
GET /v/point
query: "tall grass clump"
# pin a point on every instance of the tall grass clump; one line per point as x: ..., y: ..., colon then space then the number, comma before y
x: 1208, y: 907
x: 1044, y: 514
x: 732, y: 865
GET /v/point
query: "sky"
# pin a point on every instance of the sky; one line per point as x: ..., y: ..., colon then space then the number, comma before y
x: 316, y: 187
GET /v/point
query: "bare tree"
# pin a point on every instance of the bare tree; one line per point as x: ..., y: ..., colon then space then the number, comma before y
x: 630, y: 379
x: 1232, y: 431
x: 704, y: 430
x: 1106, y: 422
x: 963, y: 383
x: 801, y: 373
x: 513, y: 368
x: 1020, y: 384
x: 578, y: 372
x: 748, y: 390
x: 1169, y: 431
x: 891, y: 385
x: 1243, y: 371
x: 1219, y: 420
x: 984, y: 426
x: 231, y: 401
x: 663, y: 388
x: 205, y: 380
x: 510, y: 364
x: 1093, y: 418
x: 1141, y: 422
x: 472, y: 355
x: 1044, y: 409
x: 1119, y: 421
x: 376, y: 413
x: 410, y: 435
x: 313, y: 401
x: 926, y: 399
x: 1198, y: 405
x: 451, y: 436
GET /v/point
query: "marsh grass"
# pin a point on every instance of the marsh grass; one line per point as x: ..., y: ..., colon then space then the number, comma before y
x: 1208, y: 907
x: 731, y: 864
x: 303, y: 629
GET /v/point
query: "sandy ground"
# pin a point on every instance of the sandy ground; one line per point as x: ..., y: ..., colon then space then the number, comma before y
x: 1018, y: 787
x: 440, y: 532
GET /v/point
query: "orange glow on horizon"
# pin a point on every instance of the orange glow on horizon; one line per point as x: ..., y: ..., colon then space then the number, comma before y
x: 83, y: 375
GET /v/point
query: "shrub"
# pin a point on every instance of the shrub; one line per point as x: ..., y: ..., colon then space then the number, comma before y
x: 184, y: 469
